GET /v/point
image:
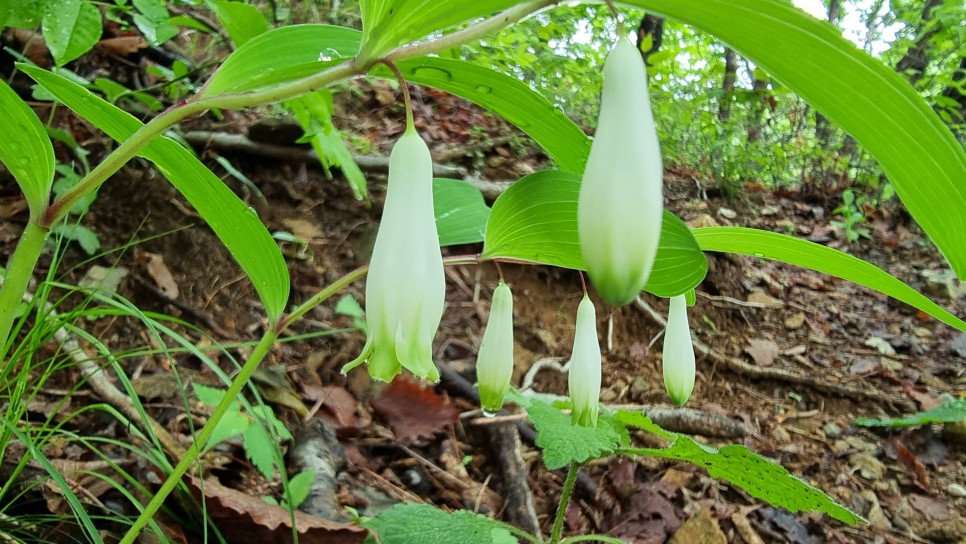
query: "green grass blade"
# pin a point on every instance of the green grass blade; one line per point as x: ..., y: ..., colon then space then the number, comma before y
x: 787, y: 249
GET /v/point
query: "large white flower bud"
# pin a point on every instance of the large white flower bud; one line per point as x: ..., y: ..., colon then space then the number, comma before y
x: 494, y: 363
x: 584, y: 377
x: 621, y: 202
x: 678, y: 359
x: 406, y: 287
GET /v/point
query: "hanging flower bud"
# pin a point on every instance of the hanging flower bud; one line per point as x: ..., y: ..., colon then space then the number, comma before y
x: 584, y: 377
x: 620, y: 207
x: 678, y: 353
x: 494, y: 363
x: 406, y: 288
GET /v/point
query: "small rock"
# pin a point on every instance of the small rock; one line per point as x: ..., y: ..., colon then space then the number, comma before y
x: 867, y: 466
x: 890, y: 364
x: 700, y: 529
x: 701, y: 221
x: 727, y: 213
x: 832, y: 430
x: 770, y: 210
x: 958, y: 346
x: 795, y: 322
x: 881, y: 345
x: 639, y: 386
x: 942, y: 283
x: 874, y: 513
x: 781, y: 435
x: 608, y: 395
x: 956, y: 490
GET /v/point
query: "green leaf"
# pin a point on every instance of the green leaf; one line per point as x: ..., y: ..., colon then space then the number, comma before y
x: 153, y: 20
x: 282, y: 55
x: 314, y: 114
x: 784, y: 248
x: 242, y: 21
x: 299, y: 487
x: 85, y: 237
x: 71, y: 28
x: 563, y: 442
x: 426, y: 524
x: 24, y: 13
x: 918, y: 153
x: 507, y: 97
x: 234, y: 222
x: 209, y: 395
x: 388, y: 23
x: 461, y: 212
x: 952, y: 411
x: 536, y: 220
x: 260, y: 449
x: 758, y: 476
x: 26, y: 149
x: 232, y: 424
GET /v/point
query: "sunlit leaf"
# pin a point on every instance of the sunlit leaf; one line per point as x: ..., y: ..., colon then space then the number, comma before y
x: 242, y: 21
x: 71, y: 28
x: 26, y: 149
x: 780, y: 247
x: 536, y: 220
x: 235, y: 223
x: 918, y: 153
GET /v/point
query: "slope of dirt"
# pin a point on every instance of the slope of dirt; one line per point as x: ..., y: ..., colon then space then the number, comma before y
x: 792, y: 355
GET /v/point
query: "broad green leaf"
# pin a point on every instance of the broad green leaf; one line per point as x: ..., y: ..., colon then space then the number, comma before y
x: 563, y: 443
x: 299, y: 487
x: 234, y: 222
x: 426, y: 524
x: 536, y: 220
x: 509, y: 98
x: 71, y: 28
x: 953, y: 411
x: 23, y: 13
x: 787, y: 249
x: 242, y: 21
x: 761, y: 477
x: 154, y: 21
x: 282, y: 55
x: 461, y: 212
x: 918, y: 153
x: 26, y: 149
x: 388, y: 23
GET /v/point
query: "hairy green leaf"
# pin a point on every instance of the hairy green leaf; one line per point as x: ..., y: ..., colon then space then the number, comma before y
x: 918, y: 153
x: 953, y: 411
x: 426, y: 524
x: 761, y: 477
x: 235, y: 223
x: 26, y: 149
x: 536, y: 220
x: 461, y: 212
x: 563, y: 442
x: 787, y: 249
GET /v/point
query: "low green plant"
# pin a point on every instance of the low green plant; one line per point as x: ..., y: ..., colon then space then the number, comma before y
x: 853, y: 216
x: 535, y: 221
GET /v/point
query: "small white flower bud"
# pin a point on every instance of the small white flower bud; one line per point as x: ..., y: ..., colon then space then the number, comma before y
x: 494, y: 363
x: 678, y: 359
x: 584, y: 378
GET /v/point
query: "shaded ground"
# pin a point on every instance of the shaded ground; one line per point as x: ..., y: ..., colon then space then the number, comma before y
x: 778, y: 336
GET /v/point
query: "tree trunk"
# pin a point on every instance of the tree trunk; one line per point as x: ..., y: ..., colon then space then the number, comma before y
x: 653, y: 26
x: 728, y: 84
x: 913, y: 64
x: 823, y: 131
x: 954, y: 91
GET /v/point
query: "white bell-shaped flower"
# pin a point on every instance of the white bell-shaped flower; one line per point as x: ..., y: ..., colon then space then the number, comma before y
x: 584, y: 375
x: 621, y: 202
x: 406, y: 286
x: 678, y: 359
x: 494, y: 362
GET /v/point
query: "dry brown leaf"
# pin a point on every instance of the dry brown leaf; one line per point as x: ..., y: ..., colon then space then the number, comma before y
x: 122, y: 46
x: 762, y: 351
x: 161, y: 275
x: 413, y: 411
x: 934, y: 509
x: 244, y: 519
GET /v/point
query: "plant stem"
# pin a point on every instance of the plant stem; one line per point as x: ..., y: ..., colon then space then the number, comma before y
x: 19, y: 271
x: 568, y: 489
x: 258, y: 354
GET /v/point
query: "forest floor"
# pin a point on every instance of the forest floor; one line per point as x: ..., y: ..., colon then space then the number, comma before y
x: 790, y: 358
